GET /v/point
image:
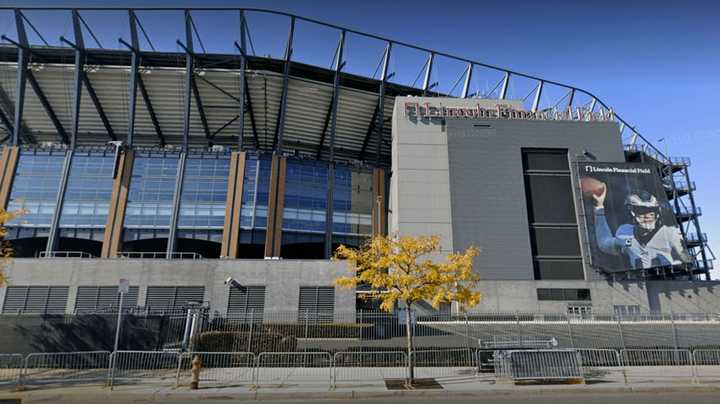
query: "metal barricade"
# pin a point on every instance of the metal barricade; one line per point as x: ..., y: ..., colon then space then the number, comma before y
x: 65, y: 367
x: 602, y: 364
x: 11, y: 366
x: 144, y: 367
x: 293, y: 368
x: 369, y: 368
x: 652, y: 365
x: 219, y: 368
x: 445, y: 364
x: 707, y: 365
x: 543, y: 364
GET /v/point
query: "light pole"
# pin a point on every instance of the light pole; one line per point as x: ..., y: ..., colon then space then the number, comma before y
x: 123, y: 288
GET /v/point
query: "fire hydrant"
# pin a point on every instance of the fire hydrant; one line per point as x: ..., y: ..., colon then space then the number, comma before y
x: 196, y: 366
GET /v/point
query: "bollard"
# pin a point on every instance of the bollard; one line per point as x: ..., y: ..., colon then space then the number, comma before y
x: 196, y: 366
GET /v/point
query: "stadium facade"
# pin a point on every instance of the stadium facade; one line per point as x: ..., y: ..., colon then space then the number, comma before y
x: 177, y: 170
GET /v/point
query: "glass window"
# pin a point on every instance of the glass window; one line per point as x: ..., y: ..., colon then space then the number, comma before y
x: 204, y: 192
x: 551, y: 215
x: 305, y: 196
x: 150, y: 198
x: 558, y: 294
x: 35, y: 188
x: 88, y: 193
x: 256, y: 188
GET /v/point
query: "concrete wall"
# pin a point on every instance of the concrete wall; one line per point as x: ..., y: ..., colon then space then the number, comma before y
x: 420, y: 180
x: 651, y: 296
x: 489, y: 208
x: 282, y: 279
x: 462, y: 179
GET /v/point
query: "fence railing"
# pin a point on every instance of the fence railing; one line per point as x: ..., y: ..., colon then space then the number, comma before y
x: 445, y: 363
x: 65, y: 367
x: 357, y: 368
x: 293, y: 368
x: 706, y: 363
x: 218, y: 368
x: 362, y: 368
x: 651, y: 365
x: 11, y: 365
x: 541, y: 364
x: 65, y: 254
x: 159, y: 255
x: 144, y: 367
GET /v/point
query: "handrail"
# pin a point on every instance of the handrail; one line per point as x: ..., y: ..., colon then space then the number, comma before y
x: 65, y: 254
x: 158, y: 255
x: 473, y: 63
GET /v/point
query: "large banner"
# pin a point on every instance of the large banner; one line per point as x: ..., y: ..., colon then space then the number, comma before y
x: 628, y: 217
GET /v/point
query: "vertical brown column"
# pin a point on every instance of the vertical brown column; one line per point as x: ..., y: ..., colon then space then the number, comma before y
x: 8, y: 163
x: 276, y: 204
x: 233, y: 206
x: 118, y: 203
x: 379, y: 211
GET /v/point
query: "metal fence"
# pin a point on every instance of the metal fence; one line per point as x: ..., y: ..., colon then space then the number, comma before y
x: 144, y: 367
x: 11, y: 366
x: 375, y: 331
x: 541, y: 364
x: 707, y: 365
x: 284, y: 369
x: 652, y: 365
x: 358, y: 368
x: 602, y: 365
x: 369, y: 368
x: 65, y: 367
x: 219, y: 368
x: 445, y: 364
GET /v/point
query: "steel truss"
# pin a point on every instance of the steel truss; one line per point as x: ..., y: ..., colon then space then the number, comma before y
x: 26, y: 51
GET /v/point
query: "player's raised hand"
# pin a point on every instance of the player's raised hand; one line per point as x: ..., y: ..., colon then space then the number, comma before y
x: 599, y: 196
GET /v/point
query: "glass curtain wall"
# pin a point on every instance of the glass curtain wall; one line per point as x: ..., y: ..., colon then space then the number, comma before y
x: 254, y: 211
x: 352, y: 207
x: 306, y: 205
x: 305, y: 208
x: 150, y: 201
x: 34, y: 190
x: 87, y: 202
x: 202, y: 204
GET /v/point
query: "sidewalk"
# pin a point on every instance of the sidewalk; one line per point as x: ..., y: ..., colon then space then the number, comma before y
x: 467, y: 387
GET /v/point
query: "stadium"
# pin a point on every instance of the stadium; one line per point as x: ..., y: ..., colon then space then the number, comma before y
x: 176, y: 169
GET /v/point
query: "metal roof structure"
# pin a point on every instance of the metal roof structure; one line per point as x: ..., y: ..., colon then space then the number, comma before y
x: 79, y: 95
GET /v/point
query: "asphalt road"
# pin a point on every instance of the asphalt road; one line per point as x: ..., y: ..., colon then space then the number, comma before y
x: 521, y: 397
x: 562, y: 398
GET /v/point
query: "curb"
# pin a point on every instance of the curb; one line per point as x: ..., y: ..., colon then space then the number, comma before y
x: 109, y: 397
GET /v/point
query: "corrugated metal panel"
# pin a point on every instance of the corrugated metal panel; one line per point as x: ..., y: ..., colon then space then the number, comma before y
x: 15, y: 297
x: 242, y: 304
x: 36, y: 299
x: 265, y: 90
x: 220, y: 108
x: 56, y: 82
x: 93, y: 298
x: 308, y: 103
x: 172, y: 297
x: 186, y: 294
x: 160, y: 297
x: 316, y: 303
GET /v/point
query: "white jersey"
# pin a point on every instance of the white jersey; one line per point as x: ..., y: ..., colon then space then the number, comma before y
x: 665, y: 248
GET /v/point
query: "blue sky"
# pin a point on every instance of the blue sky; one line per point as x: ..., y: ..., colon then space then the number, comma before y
x: 655, y: 62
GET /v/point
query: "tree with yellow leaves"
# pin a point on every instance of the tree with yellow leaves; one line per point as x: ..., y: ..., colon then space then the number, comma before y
x: 6, y: 250
x: 399, y: 269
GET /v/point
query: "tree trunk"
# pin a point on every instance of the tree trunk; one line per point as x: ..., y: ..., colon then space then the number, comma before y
x: 409, y: 333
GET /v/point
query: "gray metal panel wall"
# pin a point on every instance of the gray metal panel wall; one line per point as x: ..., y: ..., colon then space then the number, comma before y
x: 487, y: 187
